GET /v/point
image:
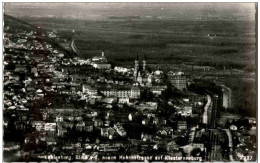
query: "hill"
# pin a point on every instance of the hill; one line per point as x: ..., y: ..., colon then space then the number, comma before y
x: 16, y: 24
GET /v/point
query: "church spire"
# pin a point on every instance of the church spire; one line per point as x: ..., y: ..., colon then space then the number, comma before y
x: 144, y: 62
x: 136, y: 66
x: 137, y: 57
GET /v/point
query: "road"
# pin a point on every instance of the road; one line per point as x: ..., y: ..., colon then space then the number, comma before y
x: 73, y: 46
x: 214, y: 150
x: 207, y: 106
x: 230, y: 144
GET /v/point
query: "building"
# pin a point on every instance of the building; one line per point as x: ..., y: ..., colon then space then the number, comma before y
x: 158, y: 89
x: 59, y: 118
x: 139, y: 71
x: 178, y: 80
x: 107, y: 132
x: 123, y: 100
x: 144, y: 63
x: 214, y: 111
x: 121, y: 92
x: 89, y: 90
x: 102, y: 66
x: 136, y: 67
x: 227, y: 95
x: 112, y: 147
x: 150, y: 106
x: 43, y: 126
x: 135, y: 92
x: 121, y: 69
x: 100, y: 62
x: 119, y: 129
x: 182, y: 125
x: 185, y: 111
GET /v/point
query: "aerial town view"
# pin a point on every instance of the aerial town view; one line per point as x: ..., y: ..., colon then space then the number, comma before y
x: 129, y: 82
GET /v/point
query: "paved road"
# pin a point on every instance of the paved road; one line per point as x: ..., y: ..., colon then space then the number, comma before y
x: 230, y: 144
x: 73, y: 47
x: 207, y: 106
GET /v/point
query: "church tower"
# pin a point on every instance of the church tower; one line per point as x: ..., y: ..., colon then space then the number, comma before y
x: 144, y: 63
x: 139, y: 78
x: 136, y: 67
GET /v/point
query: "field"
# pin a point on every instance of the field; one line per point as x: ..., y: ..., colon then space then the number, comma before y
x: 218, y: 43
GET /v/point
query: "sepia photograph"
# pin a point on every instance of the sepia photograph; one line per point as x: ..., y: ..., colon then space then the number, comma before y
x: 129, y: 81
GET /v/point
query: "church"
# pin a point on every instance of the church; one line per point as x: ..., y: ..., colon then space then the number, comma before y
x: 100, y: 62
x: 141, y: 75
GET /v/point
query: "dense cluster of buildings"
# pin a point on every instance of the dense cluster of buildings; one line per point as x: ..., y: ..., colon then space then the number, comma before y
x: 66, y: 108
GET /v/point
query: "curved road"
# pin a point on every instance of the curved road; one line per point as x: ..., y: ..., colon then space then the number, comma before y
x: 230, y: 144
x: 73, y: 47
x: 205, y: 114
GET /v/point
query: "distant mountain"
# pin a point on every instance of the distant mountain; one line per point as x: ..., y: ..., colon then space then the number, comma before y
x: 102, y: 11
x: 15, y: 22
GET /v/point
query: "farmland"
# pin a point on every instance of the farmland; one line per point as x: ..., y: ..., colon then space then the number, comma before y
x: 222, y: 43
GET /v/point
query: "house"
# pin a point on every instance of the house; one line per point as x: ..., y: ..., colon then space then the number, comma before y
x: 121, y: 69
x: 145, y: 121
x: 106, y: 122
x: 158, y: 89
x: 51, y: 140
x: 39, y: 94
x: 65, y: 62
x: 110, y: 100
x: 98, y: 122
x: 233, y: 128
x: 89, y: 146
x: 182, y: 125
x: 147, y: 106
x: 50, y: 127
x: 123, y: 100
x: 21, y: 69
x: 60, y: 118
x: 155, y: 120
x: 145, y: 137
x: 198, y: 145
x: 119, y: 129
x: 184, y: 111
x: 61, y: 130
x: 107, y: 132
x: 172, y: 146
x: 89, y: 126
x: 44, y: 126
x: 109, y: 147
x: 80, y: 126
x: 78, y: 78
x: 166, y: 131
x: 77, y: 116
x: 90, y: 90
